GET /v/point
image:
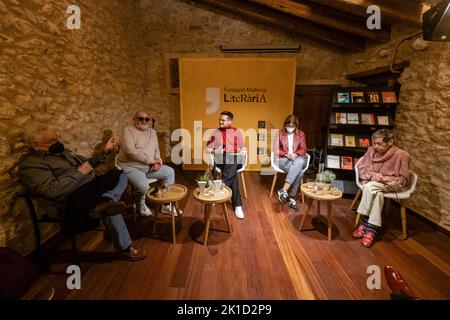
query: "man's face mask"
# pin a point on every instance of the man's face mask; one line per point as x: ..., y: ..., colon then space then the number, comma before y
x: 56, y: 148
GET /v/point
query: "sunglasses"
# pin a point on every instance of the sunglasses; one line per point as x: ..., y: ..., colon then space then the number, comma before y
x: 143, y: 119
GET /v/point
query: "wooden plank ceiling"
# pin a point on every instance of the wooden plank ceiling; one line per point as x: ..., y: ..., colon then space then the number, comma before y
x: 338, y: 23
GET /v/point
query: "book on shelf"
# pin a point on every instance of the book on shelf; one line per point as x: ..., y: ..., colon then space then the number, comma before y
x: 373, y: 97
x: 350, y: 141
x: 352, y: 118
x: 363, y: 142
x: 389, y: 97
x: 367, y: 118
x: 346, y: 163
x: 383, y: 120
x: 343, y: 97
x: 341, y: 118
x: 336, y: 139
x: 358, y: 97
x: 333, y: 162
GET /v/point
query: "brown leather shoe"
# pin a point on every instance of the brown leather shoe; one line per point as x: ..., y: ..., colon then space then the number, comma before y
x: 396, y: 282
x: 110, y: 208
x: 133, y: 254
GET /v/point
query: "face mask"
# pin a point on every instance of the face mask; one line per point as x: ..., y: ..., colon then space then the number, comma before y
x: 56, y: 148
x: 290, y: 130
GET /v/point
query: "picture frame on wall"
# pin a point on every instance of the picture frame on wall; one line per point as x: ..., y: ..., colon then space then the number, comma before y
x: 261, y: 124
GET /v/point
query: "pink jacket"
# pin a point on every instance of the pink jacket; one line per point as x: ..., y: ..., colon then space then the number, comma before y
x: 281, y: 146
x: 394, y: 165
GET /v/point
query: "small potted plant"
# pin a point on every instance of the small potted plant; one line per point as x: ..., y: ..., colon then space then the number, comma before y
x: 326, y: 177
x: 203, y: 182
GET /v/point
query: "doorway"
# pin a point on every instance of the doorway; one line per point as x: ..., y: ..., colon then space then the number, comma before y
x: 312, y: 104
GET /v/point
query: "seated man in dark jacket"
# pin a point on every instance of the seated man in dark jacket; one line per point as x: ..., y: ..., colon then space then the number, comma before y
x: 51, y: 172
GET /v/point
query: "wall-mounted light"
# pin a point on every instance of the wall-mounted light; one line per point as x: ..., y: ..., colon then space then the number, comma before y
x: 260, y: 49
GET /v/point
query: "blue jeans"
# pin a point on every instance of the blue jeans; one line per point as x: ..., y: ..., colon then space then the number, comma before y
x: 139, y: 180
x: 115, y: 227
x: 293, y: 168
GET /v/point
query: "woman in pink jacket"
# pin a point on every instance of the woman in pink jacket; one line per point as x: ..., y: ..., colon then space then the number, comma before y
x: 290, y: 150
x: 384, y: 168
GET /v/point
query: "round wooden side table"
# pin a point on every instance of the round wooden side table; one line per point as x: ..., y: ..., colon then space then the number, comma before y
x: 208, y: 201
x: 172, y: 194
x: 311, y: 194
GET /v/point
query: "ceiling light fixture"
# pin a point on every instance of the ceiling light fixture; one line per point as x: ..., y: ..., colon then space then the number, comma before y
x: 260, y: 49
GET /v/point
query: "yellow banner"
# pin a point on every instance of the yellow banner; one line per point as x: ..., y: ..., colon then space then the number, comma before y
x: 258, y: 91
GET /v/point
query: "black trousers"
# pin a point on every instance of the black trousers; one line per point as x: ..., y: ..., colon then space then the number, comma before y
x: 229, y: 164
x: 80, y: 202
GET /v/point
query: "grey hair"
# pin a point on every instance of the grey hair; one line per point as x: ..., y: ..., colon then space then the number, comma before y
x: 385, y: 134
x: 32, y: 132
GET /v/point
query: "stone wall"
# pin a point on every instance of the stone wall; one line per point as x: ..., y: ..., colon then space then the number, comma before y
x: 80, y: 81
x: 83, y: 81
x: 177, y: 27
x: 423, y: 116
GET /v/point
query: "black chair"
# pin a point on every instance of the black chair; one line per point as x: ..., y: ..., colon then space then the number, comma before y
x: 45, y: 218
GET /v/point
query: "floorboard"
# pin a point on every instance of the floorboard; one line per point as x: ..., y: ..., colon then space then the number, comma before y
x: 266, y: 256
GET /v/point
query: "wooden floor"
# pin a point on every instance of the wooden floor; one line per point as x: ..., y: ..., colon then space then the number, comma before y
x: 265, y: 257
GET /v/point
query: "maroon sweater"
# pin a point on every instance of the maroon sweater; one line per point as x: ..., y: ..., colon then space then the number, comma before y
x: 394, y: 165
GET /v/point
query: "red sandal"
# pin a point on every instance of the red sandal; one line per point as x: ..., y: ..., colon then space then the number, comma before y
x: 368, y: 238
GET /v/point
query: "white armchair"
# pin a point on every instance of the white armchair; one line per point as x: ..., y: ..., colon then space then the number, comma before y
x: 402, y: 194
x: 278, y: 170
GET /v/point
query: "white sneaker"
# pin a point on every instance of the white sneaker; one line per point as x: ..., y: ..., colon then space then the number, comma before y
x: 146, y: 212
x: 170, y: 209
x: 239, y: 213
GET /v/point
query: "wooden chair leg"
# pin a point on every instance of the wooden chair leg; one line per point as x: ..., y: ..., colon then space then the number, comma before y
x: 225, y: 212
x: 330, y: 219
x: 174, y: 229
x: 207, y: 219
x: 358, y: 216
x: 273, y: 184
x: 303, y: 196
x: 309, y: 204
x: 243, y: 184
x: 404, y: 235
x: 357, y: 196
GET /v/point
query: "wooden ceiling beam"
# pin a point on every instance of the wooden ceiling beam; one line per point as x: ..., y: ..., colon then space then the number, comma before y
x: 287, y: 22
x: 392, y: 11
x: 329, y: 17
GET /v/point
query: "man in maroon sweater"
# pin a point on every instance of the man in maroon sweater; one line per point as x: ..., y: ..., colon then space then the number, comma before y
x: 227, y: 144
x: 384, y: 168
